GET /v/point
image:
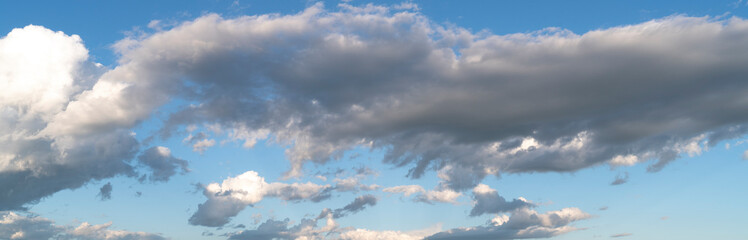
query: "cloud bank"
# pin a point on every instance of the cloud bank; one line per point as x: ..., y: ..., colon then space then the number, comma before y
x: 322, y: 82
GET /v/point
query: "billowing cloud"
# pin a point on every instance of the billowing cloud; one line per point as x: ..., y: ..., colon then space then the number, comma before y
x: 435, y: 96
x: 487, y: 200
x: 42, y: 72
x: 18, y: 227
x: 227, y: 199
x: 523, y: 223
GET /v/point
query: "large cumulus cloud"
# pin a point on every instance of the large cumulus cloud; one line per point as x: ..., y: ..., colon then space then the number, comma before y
x: 322, y: 82
x: 41, y: 73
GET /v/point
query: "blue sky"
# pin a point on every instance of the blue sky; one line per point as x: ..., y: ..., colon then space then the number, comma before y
x: 387, y: 120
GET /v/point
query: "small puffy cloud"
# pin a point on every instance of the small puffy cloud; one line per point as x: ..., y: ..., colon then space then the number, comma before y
x: 105, y: 192
x: 487, y: 200
x: 227, y: 199
x: 523, y: 223
x: 19, y: 227
x: 745, y: 155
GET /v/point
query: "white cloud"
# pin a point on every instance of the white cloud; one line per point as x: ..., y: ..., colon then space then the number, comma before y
x: 41, y: 72
x: 406, y: 190
x: 227, y: 199
x: 437, y: 195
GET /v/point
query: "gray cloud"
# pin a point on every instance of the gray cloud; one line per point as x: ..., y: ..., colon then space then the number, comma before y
x: 357, y: 205
x: 162, y: 164
x: 523, y: 223
x: 620, y: 179
x: 435, y: 96
x: 544, y: 101
x: 621, y: 235
x: 105, y: 192
x: 487, y: 200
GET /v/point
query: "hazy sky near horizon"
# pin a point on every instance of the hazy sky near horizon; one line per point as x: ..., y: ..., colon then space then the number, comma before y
x: 387, y: 120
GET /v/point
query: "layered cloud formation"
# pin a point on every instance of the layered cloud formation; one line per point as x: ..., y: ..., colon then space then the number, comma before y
x: 324, y: 82
x: 319, y: 83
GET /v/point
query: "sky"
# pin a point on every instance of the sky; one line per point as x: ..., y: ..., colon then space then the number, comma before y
x: 387, y: 120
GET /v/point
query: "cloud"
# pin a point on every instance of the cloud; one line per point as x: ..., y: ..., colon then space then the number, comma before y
x: 437, y: 96
x: 161, y: 163
x: 308, y: 228
x: 357, y: 205
x: 523, y: 223
x: 105, y: 192
x: 621, y: 235
x: 274, y: 229
x: 365, y: 234
x: 227, y: 199
x: 421, y: 195
x: 87, y: 231
x: 353, y: 184
x: 487, y: 200
x: 15, y: 226
x: 41, y: 72
x: 620, y: 179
